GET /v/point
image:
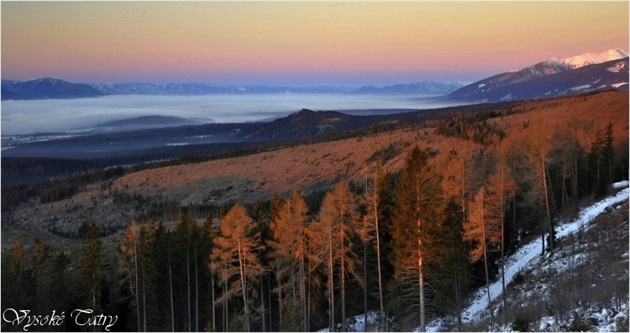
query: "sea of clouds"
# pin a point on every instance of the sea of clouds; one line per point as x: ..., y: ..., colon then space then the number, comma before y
x: 47, y: 116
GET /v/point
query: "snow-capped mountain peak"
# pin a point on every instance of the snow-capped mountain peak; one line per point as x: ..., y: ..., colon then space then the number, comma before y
x: 587, y: 59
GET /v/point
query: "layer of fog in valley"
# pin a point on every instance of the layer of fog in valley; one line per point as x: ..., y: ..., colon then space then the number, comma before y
x: 76, y: 115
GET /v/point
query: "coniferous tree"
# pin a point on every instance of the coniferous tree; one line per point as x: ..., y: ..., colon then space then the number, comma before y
x: 60, y: 282
x: 601, y: 161
x: 18, y: 291
x: 128, y: 266
x: 92, y: 268
x: 541, y: 192
x: 481, y: 233
x: 184, y: 248
x: 289, y: 247
x: 41, y: 271
x: 501, y: 188
x: 369, y: 232
x: 208, y: 233
x: 418, y: 220
x: 337, y: 218
x: 236, y: 248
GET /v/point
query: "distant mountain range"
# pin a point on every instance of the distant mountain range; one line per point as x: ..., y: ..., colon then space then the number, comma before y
x: 551, y: 78
x: 418, y: 88
x: 207, y: 89
x: 46, y: 88
x: 54, y: 88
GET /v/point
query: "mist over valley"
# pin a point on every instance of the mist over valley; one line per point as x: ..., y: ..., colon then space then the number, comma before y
x: 75, y: 115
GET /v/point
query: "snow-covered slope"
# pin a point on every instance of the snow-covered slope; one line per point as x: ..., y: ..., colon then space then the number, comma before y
x: 528, y: 254
x: 587, y: 59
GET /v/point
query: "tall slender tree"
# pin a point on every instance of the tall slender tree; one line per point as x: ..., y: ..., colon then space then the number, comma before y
x: 417, y: 223
x: 237, y: 248
x: 541, y: 192
x: 92, y: 267
x: 41, y: 271
x: 369, y: 232
x: 501, y: 188
x: 337, y: 218
x: 128, y: 266
x: 289, y: 247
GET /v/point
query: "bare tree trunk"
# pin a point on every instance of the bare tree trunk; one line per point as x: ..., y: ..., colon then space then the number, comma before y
x: 420, y: 268
x: 270, y: 305
x: 226, y: 308
x: 574, y: 174
x: 135, y: 260
x: 331, y: 285
x: 214, y: 313
x: 144, y: 300
x: 241, y: 267
x: 547, y: 205
x: 188, y: 285
x: 502, y: 216
x: 485, y: 255
x: 342, y: 272
x: 303, y: 289
x: 196, y: 293
x: 170, y: 282
x: 262, y: 301
x: 378, y: 265
x: 365, y: 293
x: 421, y: 289
x: 279, y: 298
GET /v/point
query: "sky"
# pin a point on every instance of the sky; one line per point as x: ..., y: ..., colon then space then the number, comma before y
x: 298, y: 43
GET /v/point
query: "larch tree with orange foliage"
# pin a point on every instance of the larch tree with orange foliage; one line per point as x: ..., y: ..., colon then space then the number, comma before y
x: 236, y: 248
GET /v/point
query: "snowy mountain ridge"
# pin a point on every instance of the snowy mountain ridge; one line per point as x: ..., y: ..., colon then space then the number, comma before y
x: 552, y: 78
x: 556, y: 64
x: 587, y: 59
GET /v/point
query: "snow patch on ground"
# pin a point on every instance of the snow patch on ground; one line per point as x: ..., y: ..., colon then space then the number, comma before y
x: 358, y: 323
x: 529, y: 254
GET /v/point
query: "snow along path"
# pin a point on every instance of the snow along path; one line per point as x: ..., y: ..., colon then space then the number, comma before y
x: 524, y: 255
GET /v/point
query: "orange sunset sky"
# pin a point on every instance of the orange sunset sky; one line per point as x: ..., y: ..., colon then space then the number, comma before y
x: 298, y: 43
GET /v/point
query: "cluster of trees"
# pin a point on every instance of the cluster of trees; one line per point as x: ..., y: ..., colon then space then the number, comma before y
x: 473, y: 126
x: 409, y: 244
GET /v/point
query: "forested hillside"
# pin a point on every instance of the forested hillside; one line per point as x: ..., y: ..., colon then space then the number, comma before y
x: 405, y: 222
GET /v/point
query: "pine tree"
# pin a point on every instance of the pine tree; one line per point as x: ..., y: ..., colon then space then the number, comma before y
x: 18, y: 290
x: 60, y: 282
x: 41, y: 271
x: 417, y: 224
x: 185, y: 233
x: 92, y: 268
x: 601, y: 161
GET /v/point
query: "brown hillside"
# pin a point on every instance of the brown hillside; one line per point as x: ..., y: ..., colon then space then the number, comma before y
x: 308, y: 167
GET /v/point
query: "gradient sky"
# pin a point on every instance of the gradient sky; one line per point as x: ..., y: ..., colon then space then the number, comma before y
x: 298, y: 43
